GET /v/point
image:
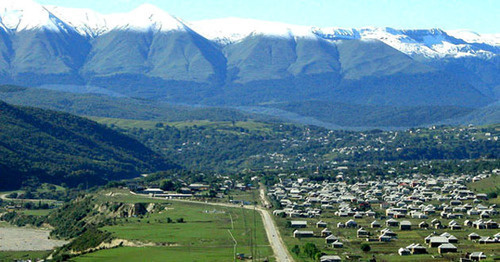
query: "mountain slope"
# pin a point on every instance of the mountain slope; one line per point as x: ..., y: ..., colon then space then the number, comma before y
x: 58, y: 147
x: 154, y: 45
x: 43, y: 47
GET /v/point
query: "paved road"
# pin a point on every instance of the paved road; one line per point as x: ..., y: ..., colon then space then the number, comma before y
x: 4, y: 197
x: 273, y: 235
x: 279, y: 248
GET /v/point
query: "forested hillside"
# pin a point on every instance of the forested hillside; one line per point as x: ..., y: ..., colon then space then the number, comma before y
x: 237, y: 146
x: 46, y: 146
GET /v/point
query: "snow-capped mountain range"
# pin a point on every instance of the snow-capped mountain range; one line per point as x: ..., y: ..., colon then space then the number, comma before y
x: 148, y: 53
x: 244, y: 63
x: 22, y: 15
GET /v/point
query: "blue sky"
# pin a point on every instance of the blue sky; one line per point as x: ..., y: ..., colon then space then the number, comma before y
x: 478, y: 15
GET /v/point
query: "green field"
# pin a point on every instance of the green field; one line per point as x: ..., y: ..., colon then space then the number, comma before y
x: 37, y: 212
x: 204, y: 236
x: 487, y: 185
x: 159, y: 254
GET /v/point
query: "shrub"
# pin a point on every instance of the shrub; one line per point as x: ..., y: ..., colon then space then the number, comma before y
x: 365, y: 247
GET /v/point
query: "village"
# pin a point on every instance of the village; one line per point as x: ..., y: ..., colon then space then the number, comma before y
x: 426, y: 217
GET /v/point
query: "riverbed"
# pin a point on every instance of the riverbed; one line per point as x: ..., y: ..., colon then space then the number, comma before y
x: 26, y: 239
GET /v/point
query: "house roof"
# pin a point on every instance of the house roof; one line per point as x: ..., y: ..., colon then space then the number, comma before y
x: 447, y: 246
x: 439, y: 240
x: 329, y: 257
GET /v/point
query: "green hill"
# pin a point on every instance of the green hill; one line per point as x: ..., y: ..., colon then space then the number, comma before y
x: 46, y: 146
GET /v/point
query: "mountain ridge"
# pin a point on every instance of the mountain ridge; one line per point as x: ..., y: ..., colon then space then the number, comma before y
x: 225, y: 28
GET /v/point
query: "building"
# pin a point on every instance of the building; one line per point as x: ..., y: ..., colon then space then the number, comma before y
x: 477, y: 256
x: 330, y: 258
x: 321, y: 224
x: 298, y: 224
x: 405, y: 225
x: 404, y: 252
x: 423, y: 225
x: 301, y: 234
x: 447, y: 248
x: 375, y: 224
x: 325, y: 232
x: 392, y: 223
x: 473, y: 236
x: 417, y: 249
x: 331, y: 239
x: 351, y: 224
x: 337, y: 244
x: 437, y: 241
x: 362, y: 233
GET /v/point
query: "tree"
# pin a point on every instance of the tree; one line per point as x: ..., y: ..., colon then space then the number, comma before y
x: 167, y: 185
x: 365, y: 247
x: 296, y: 250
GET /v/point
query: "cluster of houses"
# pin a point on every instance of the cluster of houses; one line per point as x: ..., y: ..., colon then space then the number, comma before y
x: 389, y: 204
x: 193, y: 190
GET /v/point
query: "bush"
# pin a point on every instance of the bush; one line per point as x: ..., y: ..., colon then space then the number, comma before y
x: 365, y: 247
x: 311, y: 250
x: 492, y: 195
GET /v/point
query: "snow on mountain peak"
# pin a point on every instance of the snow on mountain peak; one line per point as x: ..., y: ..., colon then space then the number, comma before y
x: 86, y: 21
x: 231, y: 30
x: 146, y: 17
x: 473, y: 37
x: 22, y: 15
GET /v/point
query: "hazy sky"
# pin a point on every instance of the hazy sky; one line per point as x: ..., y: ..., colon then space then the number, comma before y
x: 478, y: 15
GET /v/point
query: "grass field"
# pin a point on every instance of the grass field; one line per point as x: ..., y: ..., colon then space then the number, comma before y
x: 487, y: 185
x: 159, y: 254
x: 37, y: 212
x: 248, y: 195
x: 204, y: 236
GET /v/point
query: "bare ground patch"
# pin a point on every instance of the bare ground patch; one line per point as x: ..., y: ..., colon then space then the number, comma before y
x: 26, y: 239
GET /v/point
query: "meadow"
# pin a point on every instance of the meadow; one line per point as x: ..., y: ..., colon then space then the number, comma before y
x: 184, y: 231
